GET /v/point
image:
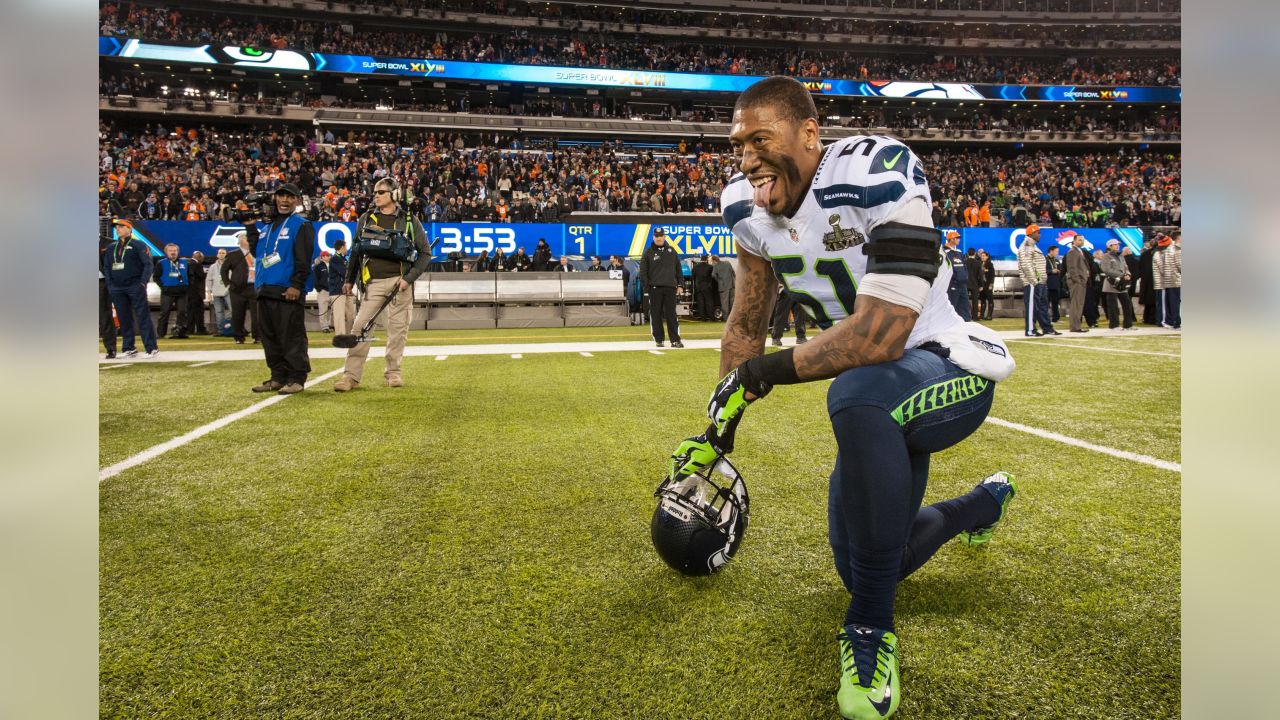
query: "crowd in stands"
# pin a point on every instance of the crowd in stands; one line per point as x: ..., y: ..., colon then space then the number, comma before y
x: 632, y: 51
x: 200, y: 173
x: 1093, y: 189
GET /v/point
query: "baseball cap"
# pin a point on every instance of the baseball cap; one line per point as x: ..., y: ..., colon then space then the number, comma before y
x: 659, y: 232
x: 1113, y: 243
x: 1032, y: 228
x: 952, y: 233
x: 289, y: 188
x: 124, y: 222
x: 324, y: 253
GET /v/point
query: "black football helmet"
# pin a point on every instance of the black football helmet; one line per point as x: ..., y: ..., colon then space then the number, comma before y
x: 700, y: 520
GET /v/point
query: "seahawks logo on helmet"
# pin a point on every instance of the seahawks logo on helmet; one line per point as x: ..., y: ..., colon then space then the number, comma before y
x: 700, y: 520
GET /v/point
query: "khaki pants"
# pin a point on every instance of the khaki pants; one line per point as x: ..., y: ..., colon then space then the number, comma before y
x: 395, y: 319
x: 343, y: 308
x: 322, y: 305
x: 1075, y: 306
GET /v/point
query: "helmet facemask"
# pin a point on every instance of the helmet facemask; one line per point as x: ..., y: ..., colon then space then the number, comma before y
x: 700, y: 520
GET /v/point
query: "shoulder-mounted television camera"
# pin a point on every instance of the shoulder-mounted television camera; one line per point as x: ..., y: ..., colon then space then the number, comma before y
x: 261, y: 205
x: 386, y: 243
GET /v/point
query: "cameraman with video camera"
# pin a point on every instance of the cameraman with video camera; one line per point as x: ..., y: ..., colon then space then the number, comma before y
x: 389, y: 252
x: 282, y: 259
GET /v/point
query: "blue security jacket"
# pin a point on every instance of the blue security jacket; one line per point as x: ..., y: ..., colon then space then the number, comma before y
x: 172, y: 276
x: 290, y: 237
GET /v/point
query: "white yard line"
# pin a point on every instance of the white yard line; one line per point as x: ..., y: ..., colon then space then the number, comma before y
x: 113, y: 366
x: 1074, y: 345
x: 202, y: 364
x: 324, y: 353
x: 586, y: 354
x: 1122, y: 454
x: 442, y: 357
x: 164, y: 447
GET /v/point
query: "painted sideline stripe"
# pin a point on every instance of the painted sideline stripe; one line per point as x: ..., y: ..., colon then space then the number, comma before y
x: 164, y: 447
x: 1122, y: 454
x: 113, y: 366
x: 202, y: 364
x: 1029, y: 341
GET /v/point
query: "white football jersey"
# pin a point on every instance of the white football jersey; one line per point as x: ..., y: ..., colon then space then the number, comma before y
x: 861, y: 182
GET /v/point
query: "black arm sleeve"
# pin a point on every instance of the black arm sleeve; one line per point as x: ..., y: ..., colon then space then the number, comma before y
x: 303, y: 246
x: 901, y: 249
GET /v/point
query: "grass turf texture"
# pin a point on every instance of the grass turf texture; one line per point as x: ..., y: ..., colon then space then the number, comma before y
x: 476, y: 545
x: 148, y: 403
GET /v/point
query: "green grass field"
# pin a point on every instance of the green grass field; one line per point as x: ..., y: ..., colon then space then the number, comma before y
x: 475, y: 545
x: 688, y: 330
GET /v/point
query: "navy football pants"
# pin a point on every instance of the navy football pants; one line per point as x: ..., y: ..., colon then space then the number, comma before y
x: 888, y: 419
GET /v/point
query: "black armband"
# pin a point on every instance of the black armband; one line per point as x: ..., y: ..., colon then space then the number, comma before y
x: 902, y: 249
x: 759, y: 374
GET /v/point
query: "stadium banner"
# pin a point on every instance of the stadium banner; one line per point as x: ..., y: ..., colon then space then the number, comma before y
x: 1002, y: 243
x: 291, y: 60
x: 469, y: 239
x: 603, y: 239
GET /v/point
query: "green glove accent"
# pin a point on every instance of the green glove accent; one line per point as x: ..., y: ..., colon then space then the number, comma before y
x: 693, y: 455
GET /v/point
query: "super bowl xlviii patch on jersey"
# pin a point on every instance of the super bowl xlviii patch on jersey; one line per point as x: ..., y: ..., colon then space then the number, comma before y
x: 795, y: 236
x: 840, y: 238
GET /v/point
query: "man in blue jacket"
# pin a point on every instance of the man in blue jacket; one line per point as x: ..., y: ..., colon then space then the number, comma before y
x: 320, y: 277
x: 127, y: 266
x: 283, y: 249
x: 173, y: 276
x: 342, y: 307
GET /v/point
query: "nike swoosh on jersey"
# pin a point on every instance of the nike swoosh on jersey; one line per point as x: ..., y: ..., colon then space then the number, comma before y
x: 888, y: 164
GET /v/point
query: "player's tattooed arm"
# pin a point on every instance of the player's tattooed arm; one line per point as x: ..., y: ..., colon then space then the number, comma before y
x: 876, y: 332
x: 755, y: 290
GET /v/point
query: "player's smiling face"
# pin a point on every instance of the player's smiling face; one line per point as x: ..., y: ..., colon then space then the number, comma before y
x: 778, y: 156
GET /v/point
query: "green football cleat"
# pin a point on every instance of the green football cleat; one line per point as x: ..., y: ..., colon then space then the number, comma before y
x: 868, y: 673
x: 1002, y: 488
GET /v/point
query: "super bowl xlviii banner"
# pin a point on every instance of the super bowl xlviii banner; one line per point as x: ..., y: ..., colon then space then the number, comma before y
x: 469, y: 239
x: 292, y: 60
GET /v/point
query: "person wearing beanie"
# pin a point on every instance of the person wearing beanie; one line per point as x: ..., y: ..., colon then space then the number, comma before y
x: 1115, y: 286
x: 1167, y: 272
x: 1035, y: 293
